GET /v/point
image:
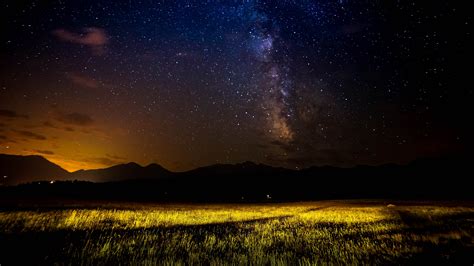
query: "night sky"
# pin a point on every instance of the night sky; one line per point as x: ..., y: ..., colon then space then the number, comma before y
x: 90, y: 84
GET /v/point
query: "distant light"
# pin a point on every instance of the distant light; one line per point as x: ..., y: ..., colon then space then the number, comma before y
x: 51, y: 182
x: 268, y: 196
x: 5, y: 176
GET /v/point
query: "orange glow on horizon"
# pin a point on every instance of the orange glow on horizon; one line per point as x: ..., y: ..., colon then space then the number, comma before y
x: 72, y: 166
x: 67, y: 164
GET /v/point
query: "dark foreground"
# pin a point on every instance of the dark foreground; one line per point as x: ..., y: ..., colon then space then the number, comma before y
x: 374, y: 232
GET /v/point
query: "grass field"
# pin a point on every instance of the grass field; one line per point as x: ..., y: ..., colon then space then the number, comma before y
x: 272, y: 233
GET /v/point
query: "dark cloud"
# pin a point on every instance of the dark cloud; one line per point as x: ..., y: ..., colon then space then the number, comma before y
x: 4, y: 139
x: 77, y: 119
x: 115, y: 157
x: 94, y: 38
x: 44, y: 152
x: 11, y: 114
x: 30, y: 135
x: 83, y: 81
x: 107, y: 160
x: 51, y: 125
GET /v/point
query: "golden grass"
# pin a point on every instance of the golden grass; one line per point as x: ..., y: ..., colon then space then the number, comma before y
x: 306, y: 233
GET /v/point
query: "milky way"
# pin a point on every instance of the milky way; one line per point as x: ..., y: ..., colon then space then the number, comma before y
x: 90, y: 84
x: 274, y: 83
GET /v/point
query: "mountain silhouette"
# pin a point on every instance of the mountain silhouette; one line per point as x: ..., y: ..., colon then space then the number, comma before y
x: 18, y: 169
x: 121, y: 172
x: 446, y: 177
x: 15, y: 169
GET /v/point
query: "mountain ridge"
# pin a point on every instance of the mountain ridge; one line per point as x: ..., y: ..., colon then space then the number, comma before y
x: 17, y: 169
x: 424, y: 178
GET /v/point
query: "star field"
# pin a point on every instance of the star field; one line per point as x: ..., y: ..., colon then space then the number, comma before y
x: 90, y: 84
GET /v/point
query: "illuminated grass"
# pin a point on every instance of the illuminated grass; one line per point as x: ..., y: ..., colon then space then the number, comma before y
x: 270, y: 233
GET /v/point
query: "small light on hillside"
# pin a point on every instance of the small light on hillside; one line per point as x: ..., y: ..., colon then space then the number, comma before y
x: 51, y: 182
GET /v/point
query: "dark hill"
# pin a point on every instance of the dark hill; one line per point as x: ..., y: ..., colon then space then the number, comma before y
x: 16, y: 169
x: 121, y: 172
x: 447, y: 178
